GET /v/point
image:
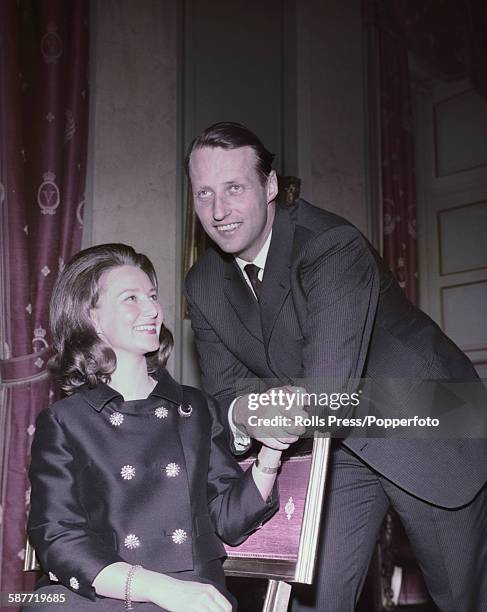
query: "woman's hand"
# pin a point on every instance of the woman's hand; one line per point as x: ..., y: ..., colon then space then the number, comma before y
x: 269, y: 460
x: 186, y: 596
x: 164, y: 591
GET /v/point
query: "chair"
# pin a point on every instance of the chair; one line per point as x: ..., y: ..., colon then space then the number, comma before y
x: 395, y: 571
x: 284, y: 549
x: 31, y: 564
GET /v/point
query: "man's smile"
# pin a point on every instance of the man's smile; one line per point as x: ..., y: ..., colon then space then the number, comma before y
x: 229, y: 227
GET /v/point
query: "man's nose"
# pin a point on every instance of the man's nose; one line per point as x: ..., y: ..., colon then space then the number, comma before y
x: 221, y: 208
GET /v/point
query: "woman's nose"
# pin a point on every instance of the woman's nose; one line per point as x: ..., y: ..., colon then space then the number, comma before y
x: 151, y: 308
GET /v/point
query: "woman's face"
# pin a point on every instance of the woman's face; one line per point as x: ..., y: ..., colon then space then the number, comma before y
x: 128, y: 316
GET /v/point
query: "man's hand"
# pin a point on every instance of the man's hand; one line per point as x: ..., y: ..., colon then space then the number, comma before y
x: 273, y: 417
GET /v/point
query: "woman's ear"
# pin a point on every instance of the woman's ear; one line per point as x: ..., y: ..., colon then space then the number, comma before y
x: 95, y: 319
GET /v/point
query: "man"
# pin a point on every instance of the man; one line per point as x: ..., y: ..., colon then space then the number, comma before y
x: 320, y: 305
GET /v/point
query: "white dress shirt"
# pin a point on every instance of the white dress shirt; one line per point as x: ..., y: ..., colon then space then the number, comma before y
x: 240, y: 439
x: 259, y: 261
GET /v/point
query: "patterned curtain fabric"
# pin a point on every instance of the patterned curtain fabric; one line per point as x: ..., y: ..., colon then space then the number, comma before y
x: 398, y: 173
x: 43, y: 126
x: 449, y: 35
x: 397, y: 176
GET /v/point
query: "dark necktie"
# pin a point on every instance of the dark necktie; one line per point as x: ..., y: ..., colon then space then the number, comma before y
x: 252, y: 272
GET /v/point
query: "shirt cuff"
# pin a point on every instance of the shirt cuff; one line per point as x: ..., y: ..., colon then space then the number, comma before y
x: 241, y: 441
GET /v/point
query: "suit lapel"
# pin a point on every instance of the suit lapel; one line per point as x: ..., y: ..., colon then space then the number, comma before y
x: 242, y: 299
x: 259, y: 318
x: 276, y: 281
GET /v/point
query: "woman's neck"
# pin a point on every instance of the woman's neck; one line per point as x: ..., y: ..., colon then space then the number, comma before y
x: 131, y: 378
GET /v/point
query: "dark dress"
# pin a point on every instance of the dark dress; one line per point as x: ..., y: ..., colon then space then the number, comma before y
x: 149, y: 482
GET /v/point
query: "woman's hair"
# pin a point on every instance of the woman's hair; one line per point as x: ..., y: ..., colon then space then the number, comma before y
x: 81, y: 356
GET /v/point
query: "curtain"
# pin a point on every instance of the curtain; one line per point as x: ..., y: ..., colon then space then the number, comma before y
x: 43, y: 123
x: 399, y: 246
x: 449, y: 35
x: 397, y: 160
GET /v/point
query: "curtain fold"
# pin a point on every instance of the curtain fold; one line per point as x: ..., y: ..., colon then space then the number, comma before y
x: 44, y: 47
x: 398, y: 170
x: 449, y: 35
x: 397, y: 203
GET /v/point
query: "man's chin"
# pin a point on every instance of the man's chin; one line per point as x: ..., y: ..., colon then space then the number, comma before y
x: 227, y: 246
x: 227, y: 249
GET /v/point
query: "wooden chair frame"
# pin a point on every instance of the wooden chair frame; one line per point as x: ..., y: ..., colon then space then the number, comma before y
x: 279, y: 572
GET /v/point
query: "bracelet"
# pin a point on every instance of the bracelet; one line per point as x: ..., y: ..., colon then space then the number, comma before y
x: 128, y: 586
x: 265, y: 469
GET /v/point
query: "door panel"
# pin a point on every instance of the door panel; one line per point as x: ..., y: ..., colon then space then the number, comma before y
x: 451, y: 154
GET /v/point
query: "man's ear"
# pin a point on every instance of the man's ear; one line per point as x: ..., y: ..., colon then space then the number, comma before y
x: 272, y: 187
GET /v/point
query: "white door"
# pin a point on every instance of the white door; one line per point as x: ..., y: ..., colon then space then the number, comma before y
x: 451, y: 162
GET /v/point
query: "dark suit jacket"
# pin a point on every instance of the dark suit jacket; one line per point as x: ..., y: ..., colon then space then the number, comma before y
x: 136, y: 482
x: 329, y: 307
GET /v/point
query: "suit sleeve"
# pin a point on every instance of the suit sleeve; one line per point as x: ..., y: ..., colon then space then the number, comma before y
x: 339, y: 289
x: 58, y: 526
x: 235, y: 504
x: 219, y: 367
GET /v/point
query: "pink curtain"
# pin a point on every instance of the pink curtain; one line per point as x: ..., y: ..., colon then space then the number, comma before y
x: 43, y: 123
x: 398, y: 172
x: 449, y: 35
x: 398, y: 206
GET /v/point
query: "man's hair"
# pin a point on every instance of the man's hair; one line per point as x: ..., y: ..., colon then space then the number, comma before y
x: 230, y: 135
x: 81, y: 357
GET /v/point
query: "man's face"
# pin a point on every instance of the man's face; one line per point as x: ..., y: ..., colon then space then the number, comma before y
x: 235, y: 206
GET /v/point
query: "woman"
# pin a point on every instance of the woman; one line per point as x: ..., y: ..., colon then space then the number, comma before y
x: 133, y: 484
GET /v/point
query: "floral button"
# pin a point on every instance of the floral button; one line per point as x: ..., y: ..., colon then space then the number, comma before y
x: 127, y: 472
x: 161, y: 412
x: 179, y: 536
x: 116, y: 419
x: 172, y: 470
x: 131, y: 541
x: 73, y: 583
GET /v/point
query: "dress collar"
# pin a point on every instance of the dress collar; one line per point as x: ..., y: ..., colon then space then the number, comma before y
x: 166, y: 388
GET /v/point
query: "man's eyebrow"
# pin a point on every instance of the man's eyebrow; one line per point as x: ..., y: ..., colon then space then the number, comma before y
x: 238, y: 179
